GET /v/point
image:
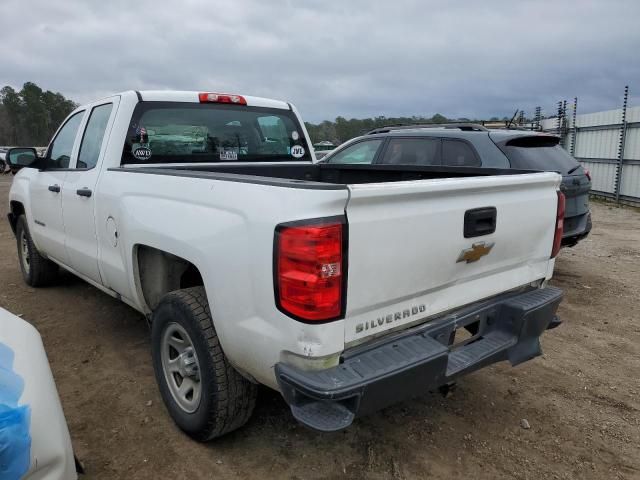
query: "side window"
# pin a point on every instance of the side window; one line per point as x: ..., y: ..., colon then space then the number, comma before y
x: 361, y: 152
x: 93, y: 136
x: 412, y: 151
x: 62, y: 146
x: 458, y: 154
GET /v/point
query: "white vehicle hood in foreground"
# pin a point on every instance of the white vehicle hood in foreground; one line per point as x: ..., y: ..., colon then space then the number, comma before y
x: 33, y: 431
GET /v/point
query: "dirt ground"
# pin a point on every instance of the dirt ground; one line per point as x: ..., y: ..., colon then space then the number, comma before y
x: 581, y: 398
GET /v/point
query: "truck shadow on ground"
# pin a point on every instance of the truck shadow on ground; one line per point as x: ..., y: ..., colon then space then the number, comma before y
x: 480, y: 411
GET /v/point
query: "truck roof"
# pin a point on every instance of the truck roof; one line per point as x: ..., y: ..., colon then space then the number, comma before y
x: 192, y: 96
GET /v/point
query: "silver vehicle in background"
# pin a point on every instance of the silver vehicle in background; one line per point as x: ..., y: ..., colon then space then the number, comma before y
x: 320, y: 154
x: 3, y: 163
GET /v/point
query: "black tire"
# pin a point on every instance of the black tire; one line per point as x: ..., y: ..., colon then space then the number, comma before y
x: 37, y: 271
x: 227, y: 399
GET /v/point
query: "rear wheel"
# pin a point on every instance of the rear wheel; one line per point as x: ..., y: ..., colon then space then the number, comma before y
x: 204, y: 394
x: 37, y: 271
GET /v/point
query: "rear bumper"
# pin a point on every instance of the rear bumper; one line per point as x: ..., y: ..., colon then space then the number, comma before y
x: 576, y: 228
x: 373, y: 376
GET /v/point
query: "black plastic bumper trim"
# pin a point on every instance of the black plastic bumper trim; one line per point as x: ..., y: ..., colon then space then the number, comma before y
x: 371, y: 377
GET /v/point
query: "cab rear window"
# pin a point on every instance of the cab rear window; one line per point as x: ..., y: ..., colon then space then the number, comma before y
x: 538, y: 153
x: 170, y: 132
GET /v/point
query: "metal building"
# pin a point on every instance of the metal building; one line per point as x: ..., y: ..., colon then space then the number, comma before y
x: 608, y: 144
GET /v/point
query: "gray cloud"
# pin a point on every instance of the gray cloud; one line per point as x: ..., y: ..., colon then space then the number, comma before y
x: 353, y: 58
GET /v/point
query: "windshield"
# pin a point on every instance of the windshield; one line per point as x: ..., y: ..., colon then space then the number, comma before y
x: 170, y: 132
x: 539, y: 153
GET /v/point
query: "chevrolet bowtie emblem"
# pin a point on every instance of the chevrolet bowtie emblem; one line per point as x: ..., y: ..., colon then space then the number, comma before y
x: 475, y: 253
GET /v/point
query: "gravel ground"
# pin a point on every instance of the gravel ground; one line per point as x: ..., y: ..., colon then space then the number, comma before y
x: 580, y: 400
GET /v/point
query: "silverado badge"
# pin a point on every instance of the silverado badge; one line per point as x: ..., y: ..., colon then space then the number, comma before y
x: 475, y: 253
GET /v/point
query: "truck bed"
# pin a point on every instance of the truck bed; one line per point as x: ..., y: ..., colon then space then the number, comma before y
x: 319, y: 176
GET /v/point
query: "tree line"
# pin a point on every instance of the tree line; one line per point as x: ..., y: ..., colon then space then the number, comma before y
x: 341, y: 129
x: 30, y: 117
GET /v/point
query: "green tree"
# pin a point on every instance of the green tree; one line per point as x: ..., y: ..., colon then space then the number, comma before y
x: 13, y: 106
x: 34, y: 114
x: 437, y: 118
x: 31, y: 116
x: 342, y: 129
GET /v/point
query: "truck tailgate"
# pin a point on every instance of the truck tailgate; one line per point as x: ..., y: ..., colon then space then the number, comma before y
x: 409, y: 258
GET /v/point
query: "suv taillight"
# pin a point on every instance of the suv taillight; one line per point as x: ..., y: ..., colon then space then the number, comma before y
x: 310, y: 269
x: 557, y: 237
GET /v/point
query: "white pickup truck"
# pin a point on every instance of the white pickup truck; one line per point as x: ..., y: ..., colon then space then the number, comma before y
x: 344, y: 287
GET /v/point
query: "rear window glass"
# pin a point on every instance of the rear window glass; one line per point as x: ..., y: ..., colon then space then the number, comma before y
x: 539, y: 153
x: 170, y: 132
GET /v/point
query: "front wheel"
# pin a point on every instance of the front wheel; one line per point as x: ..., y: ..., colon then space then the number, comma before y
x: 205, y: 395
x: 37, y: 271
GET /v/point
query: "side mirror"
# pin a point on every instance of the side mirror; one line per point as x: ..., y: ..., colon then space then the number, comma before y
x: 18, y: 158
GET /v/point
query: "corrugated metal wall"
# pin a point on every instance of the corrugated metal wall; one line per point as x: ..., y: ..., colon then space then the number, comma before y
x: 597, y: 142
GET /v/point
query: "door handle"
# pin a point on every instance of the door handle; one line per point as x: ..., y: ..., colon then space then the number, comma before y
x: 479, y: 221
x: 84, y: 192
x: 54, y: 188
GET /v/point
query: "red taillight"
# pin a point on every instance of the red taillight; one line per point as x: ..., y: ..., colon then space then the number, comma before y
x: 222, y: 98
x: 557, y: 237
x: 587, y: 173
x: 310, y: 270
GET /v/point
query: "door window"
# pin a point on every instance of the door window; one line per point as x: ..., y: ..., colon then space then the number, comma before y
x: 361, y: 152
x: 459, y: 154
x: 62, y: 146
x: 412, y: 151
x: 93, y: 136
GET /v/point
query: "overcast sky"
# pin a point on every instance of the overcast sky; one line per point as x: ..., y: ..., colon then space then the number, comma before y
x: 355, y: 58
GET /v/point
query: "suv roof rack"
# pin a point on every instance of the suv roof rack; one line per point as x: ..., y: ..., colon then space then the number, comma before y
x: 464, y: 126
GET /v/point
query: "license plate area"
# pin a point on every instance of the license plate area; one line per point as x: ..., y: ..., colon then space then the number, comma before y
x: 466, y: 329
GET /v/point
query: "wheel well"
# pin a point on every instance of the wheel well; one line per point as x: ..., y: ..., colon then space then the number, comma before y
x: 17, y: 209
x: 160, y: 272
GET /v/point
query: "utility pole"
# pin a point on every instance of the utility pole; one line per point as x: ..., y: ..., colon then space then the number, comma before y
x: 621, y: 142
x: 574, y: 127
x: 559, y: 121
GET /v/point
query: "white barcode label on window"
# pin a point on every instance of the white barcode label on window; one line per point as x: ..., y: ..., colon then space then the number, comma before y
x: 229, y: 155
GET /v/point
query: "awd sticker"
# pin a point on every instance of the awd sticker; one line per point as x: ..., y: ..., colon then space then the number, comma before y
x: 142, y: 153
x: 229, y: 155
x: 297, y: 151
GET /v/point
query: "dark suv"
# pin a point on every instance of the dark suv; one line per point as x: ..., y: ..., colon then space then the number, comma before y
x: 470, y: 145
